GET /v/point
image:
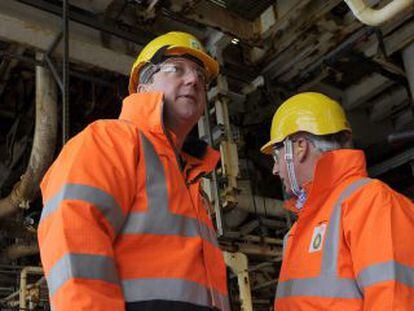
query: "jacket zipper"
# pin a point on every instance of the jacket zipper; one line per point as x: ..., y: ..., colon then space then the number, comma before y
x: 178, y: 161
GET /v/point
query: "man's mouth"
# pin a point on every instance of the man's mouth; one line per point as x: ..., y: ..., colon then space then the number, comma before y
x: 188, y: 96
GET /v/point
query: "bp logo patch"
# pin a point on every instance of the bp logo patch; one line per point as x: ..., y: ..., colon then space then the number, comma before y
x: 317, y: 238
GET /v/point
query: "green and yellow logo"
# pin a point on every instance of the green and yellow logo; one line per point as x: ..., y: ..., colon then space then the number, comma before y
x: 317, y: 241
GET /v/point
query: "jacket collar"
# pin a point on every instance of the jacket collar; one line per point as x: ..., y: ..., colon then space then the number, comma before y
x: 331, y: 170
x: 145, y: 110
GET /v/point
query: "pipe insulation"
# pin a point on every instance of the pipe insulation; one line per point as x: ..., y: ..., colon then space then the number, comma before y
x: 376, y: 17
x: 25, y: 190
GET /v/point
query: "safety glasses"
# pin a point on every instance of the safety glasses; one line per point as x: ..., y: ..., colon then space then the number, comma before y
x: 180, y: 69
x: 276, y: 152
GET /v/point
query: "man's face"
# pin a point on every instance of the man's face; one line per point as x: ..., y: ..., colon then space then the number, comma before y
x: 183, y: 83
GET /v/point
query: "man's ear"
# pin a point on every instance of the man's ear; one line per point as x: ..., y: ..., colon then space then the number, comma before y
x: 302, y: 149
x: 142, y: 88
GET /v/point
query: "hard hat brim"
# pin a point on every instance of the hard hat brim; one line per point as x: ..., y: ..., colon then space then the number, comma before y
x: 267, y: 148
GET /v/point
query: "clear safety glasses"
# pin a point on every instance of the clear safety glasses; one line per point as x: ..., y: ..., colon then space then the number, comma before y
x: 180, y: 69
x: 276, y: 152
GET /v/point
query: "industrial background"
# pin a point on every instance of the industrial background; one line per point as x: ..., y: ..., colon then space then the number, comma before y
x: 64, y: 64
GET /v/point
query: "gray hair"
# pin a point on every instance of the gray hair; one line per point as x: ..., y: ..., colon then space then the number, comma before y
x: 324, y: 143
x: 146, y: 73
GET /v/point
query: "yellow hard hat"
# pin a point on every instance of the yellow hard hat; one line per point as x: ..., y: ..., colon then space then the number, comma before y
x: 174, y: 43
x: 309, y: 112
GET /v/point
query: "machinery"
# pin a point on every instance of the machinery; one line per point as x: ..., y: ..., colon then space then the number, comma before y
x: 64, y: 64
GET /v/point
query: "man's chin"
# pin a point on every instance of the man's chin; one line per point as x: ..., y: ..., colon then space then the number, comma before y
x: 288, y: 192
x: 186, y: 101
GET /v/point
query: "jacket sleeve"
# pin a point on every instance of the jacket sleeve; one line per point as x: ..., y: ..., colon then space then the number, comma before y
x: 86, y: 194
x: 378, y: 226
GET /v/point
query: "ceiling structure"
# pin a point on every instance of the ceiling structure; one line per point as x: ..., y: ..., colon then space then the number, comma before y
x: 268, y: 50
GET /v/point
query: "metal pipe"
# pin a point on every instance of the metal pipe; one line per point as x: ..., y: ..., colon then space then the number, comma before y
x: 238, y: 263
x: 408, y: 60
x: 261, y: 205
x: 65, y: 73
x: 17, y: 251
x: 331, y: 58
x: 249, y: 204
x: 374, y: 17
x: 235, y: 217
x: 23, y: 284
x: 43, y: 147
x: 405, y: 136
x: 217, y: 209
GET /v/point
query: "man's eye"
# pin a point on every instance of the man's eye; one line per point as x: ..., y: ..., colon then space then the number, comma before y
x: 201, y: 75
x: 178, y: 68
x: 170, y: 68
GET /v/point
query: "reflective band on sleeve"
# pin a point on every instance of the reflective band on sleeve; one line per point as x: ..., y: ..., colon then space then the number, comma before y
x: 158, y: 219
x: 328, y: 283
x: 81, y: 266
x: 172, y: 289
x: 387, y: 271
x: 323, y: 286
x: 91, y: 195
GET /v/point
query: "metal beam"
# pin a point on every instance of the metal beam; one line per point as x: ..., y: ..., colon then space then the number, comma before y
x: 217, y: 17
x: 398, y: 160
x: 37, y: 29
x: 384, y: 106
x: 88, y: 19
x: 364, y: 90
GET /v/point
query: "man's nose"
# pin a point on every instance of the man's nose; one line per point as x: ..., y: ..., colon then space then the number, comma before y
x: 275, y: 170
x: 191, y: 77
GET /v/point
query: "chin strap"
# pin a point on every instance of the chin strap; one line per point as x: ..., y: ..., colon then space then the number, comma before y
x: 296, y: 190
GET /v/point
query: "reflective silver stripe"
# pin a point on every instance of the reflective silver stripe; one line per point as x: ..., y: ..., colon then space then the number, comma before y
x: 100, y: 199
x: 387, y: 271
x: 167, y: 224
x: 158, y: 219
x: 83, y: 266
x: 328, y: 283
x: 172, y: 289
x: 221, y: 301
x: 322, y: 286
x: 285, y: 239
x: 331, y: 244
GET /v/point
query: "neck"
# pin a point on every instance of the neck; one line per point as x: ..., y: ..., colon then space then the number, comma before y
x: 177, y: 134
x: 179, y: 129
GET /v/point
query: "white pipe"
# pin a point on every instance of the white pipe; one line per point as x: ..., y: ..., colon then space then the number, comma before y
x: 43, y: 147
x: 23, y: 284
x: 238, y: 263
x: 375, y: 17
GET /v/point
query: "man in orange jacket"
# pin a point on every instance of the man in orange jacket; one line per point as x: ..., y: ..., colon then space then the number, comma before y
x: 351, y: 247
x: 124, y: 224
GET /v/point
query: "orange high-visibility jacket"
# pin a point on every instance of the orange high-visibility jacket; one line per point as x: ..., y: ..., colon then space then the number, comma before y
x: 123, y: 226
x: 352, y: 246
